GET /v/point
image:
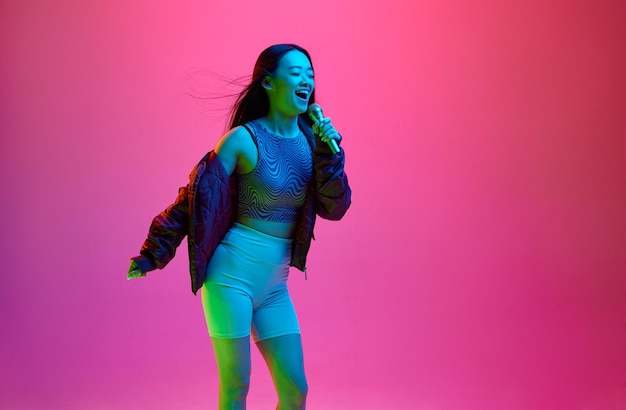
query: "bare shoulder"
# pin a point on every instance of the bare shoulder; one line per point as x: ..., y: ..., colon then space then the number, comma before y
x: 237, y: 151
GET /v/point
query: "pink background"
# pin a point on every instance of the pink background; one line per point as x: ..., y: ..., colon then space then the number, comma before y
x: 481, y: 266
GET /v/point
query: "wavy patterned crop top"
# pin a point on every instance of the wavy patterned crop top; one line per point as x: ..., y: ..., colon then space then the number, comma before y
x: 276, y: 188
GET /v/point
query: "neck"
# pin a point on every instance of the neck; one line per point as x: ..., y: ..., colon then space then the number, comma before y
x: 282, y: 125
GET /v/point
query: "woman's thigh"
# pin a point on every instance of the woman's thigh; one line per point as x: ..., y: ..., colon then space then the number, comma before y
x: 285, y: 359
x: 232, y: 356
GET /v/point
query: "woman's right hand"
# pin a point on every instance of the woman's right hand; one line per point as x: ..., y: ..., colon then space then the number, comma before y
x: 134, y: 271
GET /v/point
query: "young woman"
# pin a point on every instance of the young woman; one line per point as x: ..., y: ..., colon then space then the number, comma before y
x: 249, y: 211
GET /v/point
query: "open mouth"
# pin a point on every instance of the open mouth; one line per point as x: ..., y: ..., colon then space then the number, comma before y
x: 303, y: 94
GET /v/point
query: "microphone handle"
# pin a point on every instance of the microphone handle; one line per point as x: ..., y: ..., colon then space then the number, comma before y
x: 334, y: 148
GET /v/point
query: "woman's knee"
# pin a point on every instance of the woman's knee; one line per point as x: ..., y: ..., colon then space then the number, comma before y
x: 234, y: 387
x: 293, y: 389
x: 302, y: 387
x: 233, y: 365
x: 293, y: 396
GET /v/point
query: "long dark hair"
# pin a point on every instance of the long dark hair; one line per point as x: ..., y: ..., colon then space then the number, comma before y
x: 253, y: 103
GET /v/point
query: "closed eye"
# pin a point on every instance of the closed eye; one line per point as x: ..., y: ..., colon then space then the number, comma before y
x: 296, y: 74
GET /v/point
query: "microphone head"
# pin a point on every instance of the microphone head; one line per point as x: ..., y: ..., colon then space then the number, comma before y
x: 315, y: 112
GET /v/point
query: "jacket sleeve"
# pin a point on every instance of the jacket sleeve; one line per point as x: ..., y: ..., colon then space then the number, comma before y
x: 333, y: 194
x: 166, y: 232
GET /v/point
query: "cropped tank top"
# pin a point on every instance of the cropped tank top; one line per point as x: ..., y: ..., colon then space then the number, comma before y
x: 275, y: 189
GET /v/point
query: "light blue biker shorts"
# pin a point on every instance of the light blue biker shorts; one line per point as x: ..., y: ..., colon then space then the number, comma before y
x: 245, y: 290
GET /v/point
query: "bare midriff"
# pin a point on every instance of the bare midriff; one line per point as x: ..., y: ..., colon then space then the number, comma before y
x: 278, y: 229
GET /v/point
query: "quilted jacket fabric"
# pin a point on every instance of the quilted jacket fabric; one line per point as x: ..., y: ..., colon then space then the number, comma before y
x: 205, y: 209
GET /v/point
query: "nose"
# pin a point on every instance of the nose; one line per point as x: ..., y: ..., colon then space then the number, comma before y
x: 306, y: 81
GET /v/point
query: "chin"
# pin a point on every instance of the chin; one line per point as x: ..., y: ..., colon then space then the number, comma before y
x: 302, y: 107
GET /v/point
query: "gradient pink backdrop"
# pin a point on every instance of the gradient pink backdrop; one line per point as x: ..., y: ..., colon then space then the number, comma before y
x: 481, y: 266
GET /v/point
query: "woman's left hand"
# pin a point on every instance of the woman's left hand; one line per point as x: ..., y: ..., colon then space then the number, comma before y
x: 326, y: 130
x: 134, y: 271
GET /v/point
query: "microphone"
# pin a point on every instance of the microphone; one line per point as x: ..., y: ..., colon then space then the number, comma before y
x: 316, y: 115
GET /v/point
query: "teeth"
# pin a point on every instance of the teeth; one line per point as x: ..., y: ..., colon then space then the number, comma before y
x: 302, y: 93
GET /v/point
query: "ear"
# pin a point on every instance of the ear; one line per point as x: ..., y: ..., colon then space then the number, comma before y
x: 267, y: 84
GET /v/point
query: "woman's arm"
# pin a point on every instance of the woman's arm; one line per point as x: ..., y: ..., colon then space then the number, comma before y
x: 237, y: 151
x: 333, y: 191
x: 166, y: 232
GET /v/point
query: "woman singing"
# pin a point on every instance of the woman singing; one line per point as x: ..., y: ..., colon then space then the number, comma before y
x: 248, y: 212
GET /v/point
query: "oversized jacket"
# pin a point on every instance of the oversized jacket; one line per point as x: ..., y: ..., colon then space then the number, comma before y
x: 205, y: 209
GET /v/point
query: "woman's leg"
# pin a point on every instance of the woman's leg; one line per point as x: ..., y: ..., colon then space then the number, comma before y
x: 233, y: 368
x: 284, y: 357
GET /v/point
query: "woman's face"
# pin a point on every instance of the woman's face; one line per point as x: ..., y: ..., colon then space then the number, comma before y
x: 290, y: 88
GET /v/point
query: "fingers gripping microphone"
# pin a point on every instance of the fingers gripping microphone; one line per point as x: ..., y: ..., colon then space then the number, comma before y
x: 316, y: 115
